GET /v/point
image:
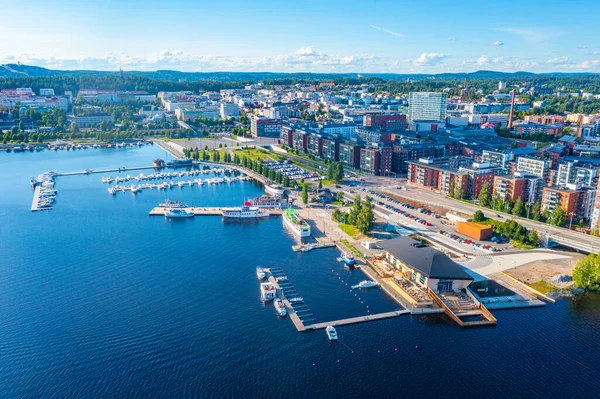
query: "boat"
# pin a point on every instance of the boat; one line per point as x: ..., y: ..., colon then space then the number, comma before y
x: 176, y: 163
x: 296, y: 223
x: 33, y: 182
x: 348, y: 259
x: 172, y: 204
x: 267, y: 291
x: 274, y: 189
x: 178, y: 213
x: 281, y: 279
x: 260, y: 273
x: 265, y: 201
x: 331, y: 333
x: 366, y: 284
x: 244, y: 212
x: 280, y: 307
x: 296, y: 299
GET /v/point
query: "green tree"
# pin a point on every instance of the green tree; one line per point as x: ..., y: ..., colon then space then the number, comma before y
x: 304, y: 194
x: 519, y: 208
x: 557, y: 217
x: 533, y: 238
x: 587, y: 273
x: 485, y: 195
x: 536, y: 212
x: 478, y: 217
x: 320, y: 184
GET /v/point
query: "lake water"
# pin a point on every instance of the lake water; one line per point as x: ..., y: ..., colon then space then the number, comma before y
x: 99, y: 299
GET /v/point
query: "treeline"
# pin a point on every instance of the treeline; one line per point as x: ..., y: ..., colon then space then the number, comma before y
x: 253, y: 164
x: 558, y: 217
x: 510, y: 229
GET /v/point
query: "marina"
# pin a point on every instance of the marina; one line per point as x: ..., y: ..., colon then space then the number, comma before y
x: 301, y: 316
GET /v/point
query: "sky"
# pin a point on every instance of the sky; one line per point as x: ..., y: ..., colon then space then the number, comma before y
x: 336, y: 36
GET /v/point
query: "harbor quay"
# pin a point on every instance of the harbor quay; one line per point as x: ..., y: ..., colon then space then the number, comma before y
x: 204, y: 211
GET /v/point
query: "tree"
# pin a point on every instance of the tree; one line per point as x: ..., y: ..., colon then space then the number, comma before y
x: 478, y: 216
x: 533, y: 238
x: 587, y: 273
x: 364, y: 219
x: 557, y: 217
x: 519, y: 208
x: 320, y: 184
x: 339, y: 172
x: 536, y: 212
x: 485, y: 195
x: 304, y: 194
x: 286, y: 181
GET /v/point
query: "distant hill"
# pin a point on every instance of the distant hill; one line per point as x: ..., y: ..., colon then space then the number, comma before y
x: 19, y: 70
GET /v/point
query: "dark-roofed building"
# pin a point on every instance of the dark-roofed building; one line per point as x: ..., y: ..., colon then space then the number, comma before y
x: 425, y: 266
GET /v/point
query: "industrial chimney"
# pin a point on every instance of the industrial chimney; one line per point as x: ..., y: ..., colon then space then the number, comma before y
x: 512, y: 109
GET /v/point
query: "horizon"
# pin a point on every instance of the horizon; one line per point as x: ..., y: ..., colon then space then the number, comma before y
x: 431, y: 39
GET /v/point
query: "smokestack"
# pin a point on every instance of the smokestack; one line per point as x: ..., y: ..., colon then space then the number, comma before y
x: 512, y: 109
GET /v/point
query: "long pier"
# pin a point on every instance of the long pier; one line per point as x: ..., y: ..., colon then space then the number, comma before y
x: 36, y: 196
x: 90, y: 171
x: 296, y: 316
x: 205, y: 211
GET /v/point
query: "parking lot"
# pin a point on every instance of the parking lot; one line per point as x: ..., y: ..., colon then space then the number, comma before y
x: 292, y: 171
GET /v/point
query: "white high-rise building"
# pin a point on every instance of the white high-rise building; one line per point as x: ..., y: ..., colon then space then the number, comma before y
x: 229, y: 110
x: 501, y: 85
x: 426, y: 106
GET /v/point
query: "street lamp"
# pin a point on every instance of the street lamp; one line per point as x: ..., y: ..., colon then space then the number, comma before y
x: 571, y: 214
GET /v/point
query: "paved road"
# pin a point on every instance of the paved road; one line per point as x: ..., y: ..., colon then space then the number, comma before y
x: 432, y: 198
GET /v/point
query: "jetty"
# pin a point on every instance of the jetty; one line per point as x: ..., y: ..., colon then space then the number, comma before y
x: 36, y: 195
x: 302, y: 317
x: 205, y: 211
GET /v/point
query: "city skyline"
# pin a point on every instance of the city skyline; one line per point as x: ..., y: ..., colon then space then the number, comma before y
x: 393, y: 37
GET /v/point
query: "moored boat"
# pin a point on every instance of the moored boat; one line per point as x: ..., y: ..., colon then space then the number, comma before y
x: 172, y: 204
x: 260, y: 273
x: 296, y: 223
x: 267, y: 291
x: 244, y: 212
x: 274, y: 189
x: 175, y: 213
x: 348, y: 259
x: 280, y: 307
x: 331, y: 333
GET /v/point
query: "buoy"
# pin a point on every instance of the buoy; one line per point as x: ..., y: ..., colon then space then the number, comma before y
x: 338, y: 360
x: 313, y: 365
x: 416, y: 347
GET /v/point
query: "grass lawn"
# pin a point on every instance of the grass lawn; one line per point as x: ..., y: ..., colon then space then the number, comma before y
x: 351, y: 231
x: 543, y: 286
x: 252, y: 153
x: 520, y: 245
x: 339, y: 203
x: 352, y: 249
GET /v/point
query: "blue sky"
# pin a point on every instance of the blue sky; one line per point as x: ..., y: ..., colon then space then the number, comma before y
x: 398, y: 36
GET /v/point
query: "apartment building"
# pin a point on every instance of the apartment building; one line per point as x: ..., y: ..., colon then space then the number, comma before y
x: 349, y: 154
x: 376, y: 160
x: 576, y: 201
x: 386, y: 123
x: 265, y: 127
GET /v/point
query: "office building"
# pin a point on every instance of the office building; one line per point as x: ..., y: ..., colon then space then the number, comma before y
x: 426, y: 106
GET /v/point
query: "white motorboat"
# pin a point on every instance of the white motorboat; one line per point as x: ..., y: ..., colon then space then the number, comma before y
x: 366, y: 284
x: 260, y: 273
x: 280, y: 307
x: 296, y: 299
x: 331, y: 333
x: 172, y: 204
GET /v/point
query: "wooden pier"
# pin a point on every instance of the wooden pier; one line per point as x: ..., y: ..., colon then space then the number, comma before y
x: 301, y: 248
x: 91, y: 171
x: 205, y: 211
x: 36, y: 195
x: 299, y: 324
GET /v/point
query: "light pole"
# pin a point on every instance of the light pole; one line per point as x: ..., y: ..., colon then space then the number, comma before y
x: 571, y: 214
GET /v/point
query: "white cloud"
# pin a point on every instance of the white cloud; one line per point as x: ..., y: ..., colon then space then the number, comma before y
x: 391, y: 32
x: 497, y: 43
x: 588, y: 64
x: 534, y: 35
x: 452, y: 39
x: 306, y: 58
x: 559, y: 60
x: 429, y: 59
x: 504, y: 63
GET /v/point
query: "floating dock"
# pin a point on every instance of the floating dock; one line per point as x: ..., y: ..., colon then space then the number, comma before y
x: 36, y: 195
x: 301, y: 315
x: 205, y: 211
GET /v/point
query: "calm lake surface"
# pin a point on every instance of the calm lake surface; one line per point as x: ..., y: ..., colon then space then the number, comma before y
x: 98, y: 299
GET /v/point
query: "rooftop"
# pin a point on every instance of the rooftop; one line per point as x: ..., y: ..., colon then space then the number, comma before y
x: 429, y: 261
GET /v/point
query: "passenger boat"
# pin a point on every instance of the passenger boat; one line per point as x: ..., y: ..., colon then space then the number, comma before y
x: 280, y: 307
x: 265, y: 201
x: 179, y: 163
x: 172, y: 204
x: 260, y: 273
x: 175, y: 213
x: 366, y: 284
x: 244, y: 212
x: 296, y: 223
x: 267, y: 291
x: 274, y: 189
x: 331, y: 333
